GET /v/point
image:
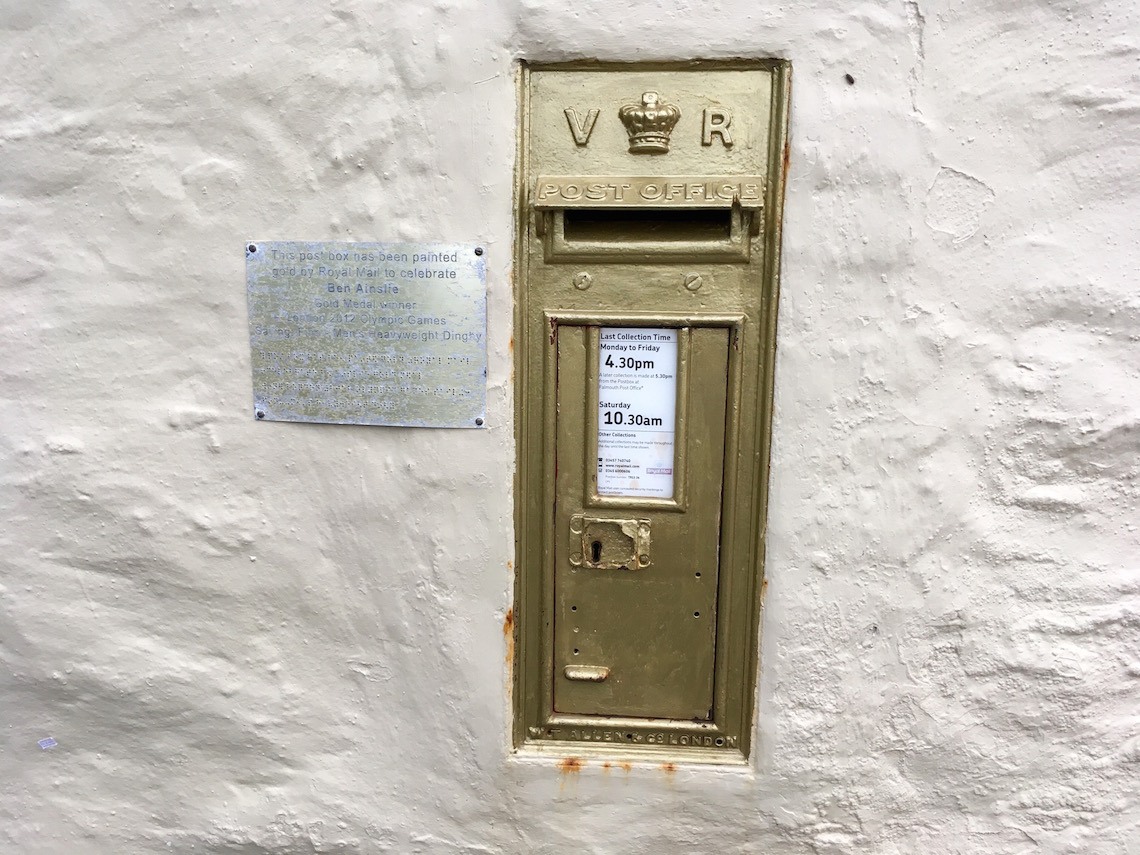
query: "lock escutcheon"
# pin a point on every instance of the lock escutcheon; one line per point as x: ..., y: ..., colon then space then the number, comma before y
x: 609, y: 544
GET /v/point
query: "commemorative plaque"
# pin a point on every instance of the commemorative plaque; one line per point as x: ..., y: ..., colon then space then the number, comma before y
x: 368, y: 333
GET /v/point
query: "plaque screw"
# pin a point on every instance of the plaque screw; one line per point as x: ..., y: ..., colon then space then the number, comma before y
x: 693, y: 281
x: 260, y: 414
x: 583, y: 280
x: 478, y: 250
x: 252, y: 248
x: 850, y: 80
x: 478, y: 422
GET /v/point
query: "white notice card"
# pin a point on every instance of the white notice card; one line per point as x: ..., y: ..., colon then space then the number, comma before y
x: 637, y: 408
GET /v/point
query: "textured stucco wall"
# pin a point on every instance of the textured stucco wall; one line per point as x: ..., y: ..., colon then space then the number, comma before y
x: 272, y: 638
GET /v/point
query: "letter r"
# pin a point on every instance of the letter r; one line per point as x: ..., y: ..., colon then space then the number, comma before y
x: 715, y: 122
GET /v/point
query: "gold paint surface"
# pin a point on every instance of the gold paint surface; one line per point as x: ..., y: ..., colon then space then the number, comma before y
x: 653, y: 627
x: 691, y: 244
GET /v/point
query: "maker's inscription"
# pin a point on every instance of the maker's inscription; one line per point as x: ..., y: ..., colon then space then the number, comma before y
x: 368, y: 333
x: 635, y: 737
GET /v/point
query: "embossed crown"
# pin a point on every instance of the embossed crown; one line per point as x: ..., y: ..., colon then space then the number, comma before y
x: 649, y: 124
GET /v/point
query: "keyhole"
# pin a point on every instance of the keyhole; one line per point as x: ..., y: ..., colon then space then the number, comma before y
x: 596, y: 551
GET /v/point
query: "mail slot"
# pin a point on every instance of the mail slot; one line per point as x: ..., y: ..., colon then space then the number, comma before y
x: 648, y: 236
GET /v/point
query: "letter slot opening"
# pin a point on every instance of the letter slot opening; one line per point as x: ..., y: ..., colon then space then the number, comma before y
x: 647, y: 235
x: 624, y: 225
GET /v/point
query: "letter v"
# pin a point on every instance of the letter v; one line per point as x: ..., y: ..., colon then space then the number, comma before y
x: 581, y: 131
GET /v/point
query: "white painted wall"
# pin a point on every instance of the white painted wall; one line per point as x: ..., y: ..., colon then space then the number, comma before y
x: 273, y: 638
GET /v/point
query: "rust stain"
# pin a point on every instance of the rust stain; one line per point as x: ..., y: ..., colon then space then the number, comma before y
x: 787, y: 159
x: 511, y: 345
x: 669, y: 768
x: 571, y: 766
x: 509, y: 635
x: 626, y: 767
x: 607, y: 766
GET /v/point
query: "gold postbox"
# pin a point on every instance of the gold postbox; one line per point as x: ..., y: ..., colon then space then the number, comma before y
x: 648, y: 228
